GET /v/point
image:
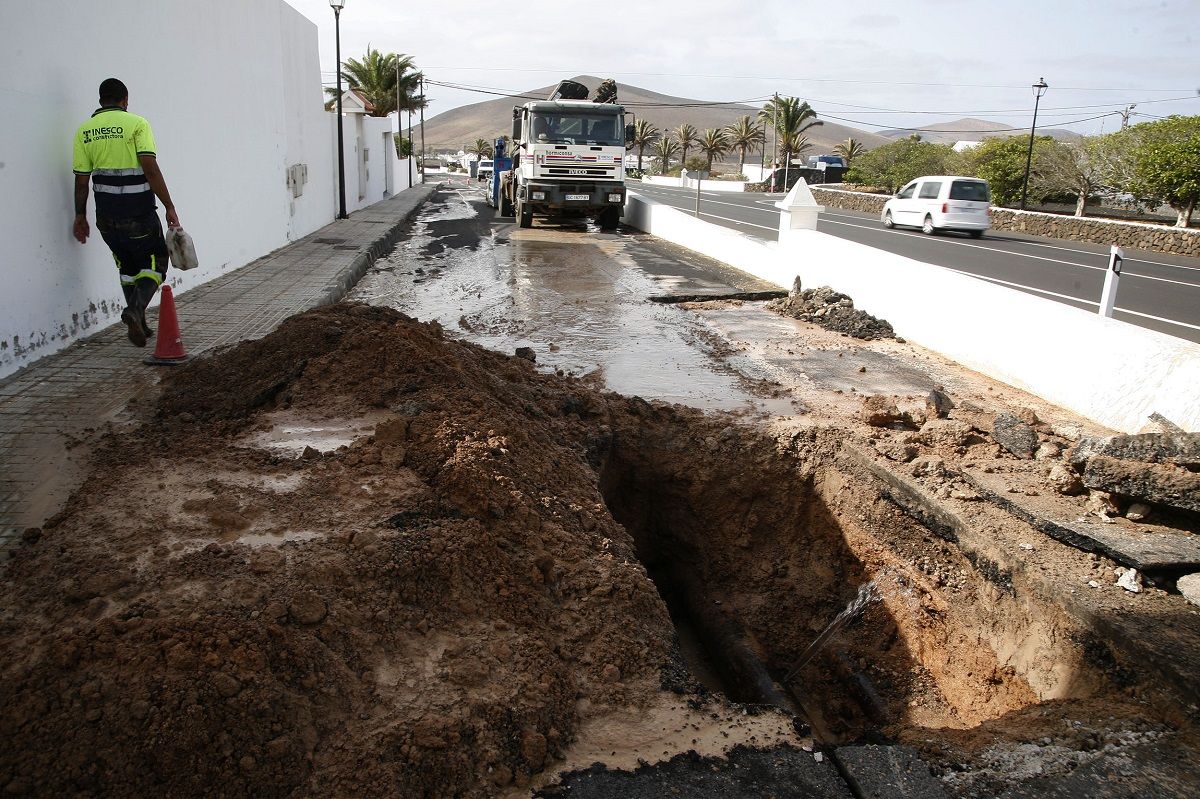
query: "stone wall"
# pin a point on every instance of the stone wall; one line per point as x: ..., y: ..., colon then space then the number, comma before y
x: 1131, y: 235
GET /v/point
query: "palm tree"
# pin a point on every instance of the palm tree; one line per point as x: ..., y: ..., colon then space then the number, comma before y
x: 796, y: 145
x: 480, y: 148
x: 686, y: 135
x: 789, y: 116
x: 644, y: 135
x: 715, y: 142
x: 664, y: 149
x: 375, y: 78
x: 744, y: 135
x: 850, y: 149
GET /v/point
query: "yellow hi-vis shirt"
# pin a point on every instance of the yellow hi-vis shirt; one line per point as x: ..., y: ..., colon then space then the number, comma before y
x: 107, y: 147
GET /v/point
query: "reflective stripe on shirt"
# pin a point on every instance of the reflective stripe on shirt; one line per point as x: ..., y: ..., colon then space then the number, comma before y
x: 102, y: 188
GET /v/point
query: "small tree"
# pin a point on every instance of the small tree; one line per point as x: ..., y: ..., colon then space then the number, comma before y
x: 664, y: 149
x: 892, y: 165
x: 849, y: 150
x: 789, y: 116
x: 1001, y: 162
x: 375, y: 76
x: 644, y: 135
x: 686, y: 135
x: 1084, y: 167
x: 714, y: 143
x: 1166, y: 163
x: 744, y: 134
x: 480, y: 148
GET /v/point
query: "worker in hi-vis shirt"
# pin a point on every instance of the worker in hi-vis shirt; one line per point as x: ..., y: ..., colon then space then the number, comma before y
x: 114, y: 150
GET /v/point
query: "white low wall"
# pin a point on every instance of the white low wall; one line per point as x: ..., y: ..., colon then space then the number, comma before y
x: 232, y: 89
x: 1112, y: 372
x: 687, y: 183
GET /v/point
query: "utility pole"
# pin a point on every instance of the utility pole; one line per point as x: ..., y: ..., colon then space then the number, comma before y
x: 1126, y: 113
x: 400, y: 124
x: 411, y: 148
x: 422, y: 128
x: 775, y: 140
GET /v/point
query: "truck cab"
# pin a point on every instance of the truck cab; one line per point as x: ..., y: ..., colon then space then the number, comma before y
x: 569, y: 160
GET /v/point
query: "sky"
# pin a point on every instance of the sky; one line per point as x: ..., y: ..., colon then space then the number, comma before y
x: 865, y: 63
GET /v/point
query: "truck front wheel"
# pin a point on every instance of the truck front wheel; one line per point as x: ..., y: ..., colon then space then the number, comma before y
x: 609, y: 218
x: 524, y: 213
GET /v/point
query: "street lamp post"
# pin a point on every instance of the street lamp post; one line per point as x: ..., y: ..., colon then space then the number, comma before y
x: 1039, y: 89
x: 337, y: 6
x: 422, y: 107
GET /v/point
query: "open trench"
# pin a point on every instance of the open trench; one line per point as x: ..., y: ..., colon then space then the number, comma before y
x: 755, y: 551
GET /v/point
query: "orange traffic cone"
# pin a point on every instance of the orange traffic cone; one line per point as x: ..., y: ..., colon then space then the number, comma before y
x: 168, y: 348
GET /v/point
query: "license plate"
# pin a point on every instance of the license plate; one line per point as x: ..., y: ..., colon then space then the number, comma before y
x: 579, y: 197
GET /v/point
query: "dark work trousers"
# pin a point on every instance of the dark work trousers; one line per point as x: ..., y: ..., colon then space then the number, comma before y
x: 140, y: 251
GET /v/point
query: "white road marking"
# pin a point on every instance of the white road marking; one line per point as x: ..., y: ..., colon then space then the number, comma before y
x: 1025, y: 254
x: 1073, y: 299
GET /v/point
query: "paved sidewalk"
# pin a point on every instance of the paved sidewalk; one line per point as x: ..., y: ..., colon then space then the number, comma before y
x: 53, y: 405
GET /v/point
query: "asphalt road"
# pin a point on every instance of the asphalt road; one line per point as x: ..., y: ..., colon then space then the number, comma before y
x: 1161, y: 292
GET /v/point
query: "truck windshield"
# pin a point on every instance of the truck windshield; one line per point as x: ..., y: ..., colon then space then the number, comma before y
x: 601, y: 129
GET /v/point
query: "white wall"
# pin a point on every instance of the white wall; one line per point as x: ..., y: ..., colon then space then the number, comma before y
x: 1112, y: 372
x: 364, y: 136
x: 232, y: 89
x: 687, y: 183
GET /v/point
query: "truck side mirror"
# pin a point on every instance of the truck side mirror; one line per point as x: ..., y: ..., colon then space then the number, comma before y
x: 629, y: 134
x: 516, y: 129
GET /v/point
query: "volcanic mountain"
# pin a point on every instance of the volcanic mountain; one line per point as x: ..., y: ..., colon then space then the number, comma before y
x: 458, y: 127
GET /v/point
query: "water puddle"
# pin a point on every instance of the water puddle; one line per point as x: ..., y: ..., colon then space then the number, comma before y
x: 276, y: 539
x: 292, y: 435
x: 578, y: 298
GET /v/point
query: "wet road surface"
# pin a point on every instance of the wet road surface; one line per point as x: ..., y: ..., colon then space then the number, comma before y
x: 580, y: 299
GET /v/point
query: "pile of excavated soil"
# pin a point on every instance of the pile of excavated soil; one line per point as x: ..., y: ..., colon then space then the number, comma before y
x: 831, y: 310
x: 418, y: 613
x: 356, y: 559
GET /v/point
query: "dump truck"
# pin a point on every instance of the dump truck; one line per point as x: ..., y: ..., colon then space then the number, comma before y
x: 568, y: 159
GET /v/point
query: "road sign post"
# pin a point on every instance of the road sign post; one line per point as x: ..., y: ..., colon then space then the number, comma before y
x: 1112, y: 279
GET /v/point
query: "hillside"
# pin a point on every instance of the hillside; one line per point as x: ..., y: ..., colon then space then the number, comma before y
x: 970, y: 129
x: 489, y: 119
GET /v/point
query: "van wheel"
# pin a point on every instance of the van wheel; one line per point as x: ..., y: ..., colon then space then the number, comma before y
x: 928, y: 229
x: 887, y: 221
x: 976, y: 234
x: 524, y: 214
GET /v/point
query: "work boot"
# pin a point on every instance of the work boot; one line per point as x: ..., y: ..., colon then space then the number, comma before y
x: 149, y: 331
x: 133, y: 321
x: 144, y: 290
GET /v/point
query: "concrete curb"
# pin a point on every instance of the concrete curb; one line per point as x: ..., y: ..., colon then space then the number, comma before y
x: 341, y: 285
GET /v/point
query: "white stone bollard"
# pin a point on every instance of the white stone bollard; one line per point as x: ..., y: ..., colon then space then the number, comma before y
x: 797, y: 211
x: 1112, y: 279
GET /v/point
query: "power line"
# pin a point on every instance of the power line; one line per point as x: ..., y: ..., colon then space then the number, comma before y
x: 559, y: 70
x: 940, y: 130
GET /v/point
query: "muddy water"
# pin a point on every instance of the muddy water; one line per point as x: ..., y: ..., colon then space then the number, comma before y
x: 576, y: 296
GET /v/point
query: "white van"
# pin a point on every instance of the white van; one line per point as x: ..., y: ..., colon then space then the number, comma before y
x: 941, y: 202
x: 485, y: 169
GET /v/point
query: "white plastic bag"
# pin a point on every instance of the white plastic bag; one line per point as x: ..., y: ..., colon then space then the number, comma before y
x: 181, y: 248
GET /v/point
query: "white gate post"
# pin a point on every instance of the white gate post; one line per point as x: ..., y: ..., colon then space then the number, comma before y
x: 1112, y: 279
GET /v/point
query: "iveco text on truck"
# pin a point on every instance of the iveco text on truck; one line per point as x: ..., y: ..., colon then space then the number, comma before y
x: 568, y: 159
